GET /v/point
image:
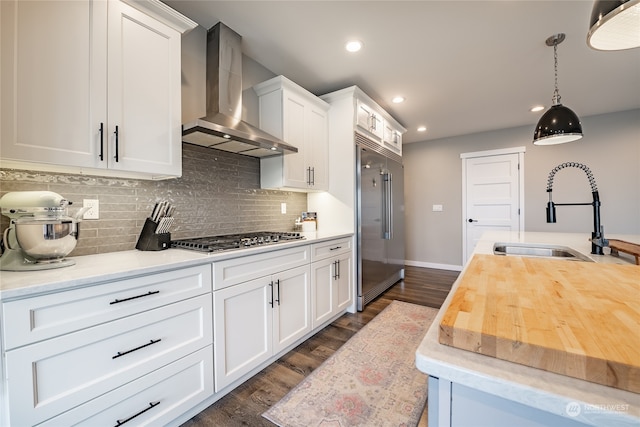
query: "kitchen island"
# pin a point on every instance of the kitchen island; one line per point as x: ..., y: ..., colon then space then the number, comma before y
x: 471, y: 389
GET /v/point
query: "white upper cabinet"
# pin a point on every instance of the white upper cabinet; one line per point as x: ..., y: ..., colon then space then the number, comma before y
x: 368, y: 121
x: 392, y: 137
x: 299, y: 118
x: 375, y: 123
x: 92, y: 87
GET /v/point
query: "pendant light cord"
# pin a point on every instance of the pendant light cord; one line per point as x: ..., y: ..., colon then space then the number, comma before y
x: 556, y: 93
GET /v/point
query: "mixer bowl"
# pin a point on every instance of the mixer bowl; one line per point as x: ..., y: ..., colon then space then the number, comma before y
x: 47, y: 239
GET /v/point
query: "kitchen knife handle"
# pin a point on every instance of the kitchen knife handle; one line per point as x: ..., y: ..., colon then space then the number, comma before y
x: 116, y: 156
x: 101, y: 141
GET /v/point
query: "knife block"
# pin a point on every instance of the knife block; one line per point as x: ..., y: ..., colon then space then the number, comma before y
x: 149, y: 240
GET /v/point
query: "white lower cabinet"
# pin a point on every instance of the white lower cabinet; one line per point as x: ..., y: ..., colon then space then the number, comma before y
x: 256, y: 319
x: 155, y: 399
x: 128, y: 331
x: 151, y: 349
x: 331, y: 284
x: 330, y: 287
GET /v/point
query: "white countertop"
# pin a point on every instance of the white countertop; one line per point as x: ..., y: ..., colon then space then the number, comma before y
x: 99, y: 268
x: 600, y: 405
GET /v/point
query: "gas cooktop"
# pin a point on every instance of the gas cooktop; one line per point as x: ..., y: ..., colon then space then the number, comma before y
x: 235, y: 241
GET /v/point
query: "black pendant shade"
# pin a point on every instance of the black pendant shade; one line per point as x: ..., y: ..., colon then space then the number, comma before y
x: 614, y: 25
x: 557, y: 126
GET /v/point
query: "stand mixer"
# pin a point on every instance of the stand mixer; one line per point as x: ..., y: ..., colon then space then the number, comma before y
x: 40, y: 233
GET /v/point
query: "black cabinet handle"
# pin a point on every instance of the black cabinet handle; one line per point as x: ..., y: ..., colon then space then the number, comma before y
x: 271, y: 286
x: 116, y: 301
x: 338, y: 264
x: 336, y: 248
x: 313, y: 176
x: 117, y: 154
x: 278, y: 283
x: 126, y: 420
x: 120, y: 354
x: 101, y: 141
x: 473, y: 220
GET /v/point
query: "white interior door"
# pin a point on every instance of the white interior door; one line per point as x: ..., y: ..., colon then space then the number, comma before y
x: 493, y: 196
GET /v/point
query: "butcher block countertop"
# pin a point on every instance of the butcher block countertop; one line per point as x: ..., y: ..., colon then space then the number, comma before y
x: 573, y: 318
x: 539, y: 388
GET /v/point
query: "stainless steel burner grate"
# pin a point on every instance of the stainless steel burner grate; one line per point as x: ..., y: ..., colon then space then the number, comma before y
x: 235, y: 241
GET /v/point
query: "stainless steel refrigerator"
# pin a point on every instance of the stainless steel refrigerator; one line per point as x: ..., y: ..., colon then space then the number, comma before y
x: 380, y: 220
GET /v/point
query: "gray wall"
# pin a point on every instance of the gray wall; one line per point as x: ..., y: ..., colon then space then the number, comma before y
x: 218, y: 193
x: 433, y: 175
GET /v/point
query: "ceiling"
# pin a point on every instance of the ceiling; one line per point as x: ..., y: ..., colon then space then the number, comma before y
x: 463, y: 66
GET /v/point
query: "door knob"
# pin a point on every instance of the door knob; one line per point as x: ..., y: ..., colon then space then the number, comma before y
x: 473, y: 220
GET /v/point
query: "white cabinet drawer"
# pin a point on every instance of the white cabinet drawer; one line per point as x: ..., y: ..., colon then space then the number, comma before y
x: 155, y: 399
x: 331, y: 248
x: 34, y: 319
x: 237, y: 270
x: 49, y: 377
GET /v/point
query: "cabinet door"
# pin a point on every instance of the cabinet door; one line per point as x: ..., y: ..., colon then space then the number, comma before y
x: 294, y: 133
x: 343, y: 288
x: 53, y: 81
x: 242, y: 329
x: 322, y: 291
x: 392, y: 138
x: 144, y: 93
x: 317, y: 148
x: 292, y: 311
x: 368, y: 120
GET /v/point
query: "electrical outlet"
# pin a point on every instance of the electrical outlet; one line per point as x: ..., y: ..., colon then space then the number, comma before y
x: 283, y: 208
x: 94, y: 211
x: 437, y: 208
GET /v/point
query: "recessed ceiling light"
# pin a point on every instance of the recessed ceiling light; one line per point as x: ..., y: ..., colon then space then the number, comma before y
x: 398, y: 99
x: 422, y: 128
x: 353, y: 45
x: 537, y: 108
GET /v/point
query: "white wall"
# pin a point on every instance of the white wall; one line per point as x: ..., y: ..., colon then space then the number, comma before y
x: 433, y: 175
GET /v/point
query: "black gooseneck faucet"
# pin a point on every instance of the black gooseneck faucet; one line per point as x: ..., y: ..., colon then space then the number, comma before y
x: 597, y: 236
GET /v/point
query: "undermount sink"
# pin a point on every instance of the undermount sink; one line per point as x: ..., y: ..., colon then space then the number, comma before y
x: 539, y: 251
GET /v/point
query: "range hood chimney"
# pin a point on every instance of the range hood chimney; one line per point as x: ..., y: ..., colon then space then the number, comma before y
x: 222, y: 128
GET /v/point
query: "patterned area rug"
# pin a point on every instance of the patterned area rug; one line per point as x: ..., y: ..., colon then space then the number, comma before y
x: 370, y: 381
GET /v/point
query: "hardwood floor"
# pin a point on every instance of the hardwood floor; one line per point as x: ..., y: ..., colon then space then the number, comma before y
x: 244, y: 405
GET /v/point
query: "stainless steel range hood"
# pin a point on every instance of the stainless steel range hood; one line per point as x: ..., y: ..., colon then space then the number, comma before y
x: 222, y: 128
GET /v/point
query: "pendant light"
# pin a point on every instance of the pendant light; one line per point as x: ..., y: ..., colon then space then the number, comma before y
x: 614, y: 25
x: 559, y: 124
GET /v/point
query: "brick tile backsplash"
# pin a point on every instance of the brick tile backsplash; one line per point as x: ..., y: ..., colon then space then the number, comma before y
x: 218, y: 193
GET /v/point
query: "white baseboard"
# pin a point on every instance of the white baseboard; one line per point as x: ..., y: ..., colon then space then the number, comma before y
x: 433, y: 265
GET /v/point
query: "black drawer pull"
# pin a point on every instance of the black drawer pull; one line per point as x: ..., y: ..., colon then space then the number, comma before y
x: 101, y: 141
x: 336, y: 248
x: 151, y: 406
x: 116, y: 301
x: 117, y: 155
x: 137, y: 348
